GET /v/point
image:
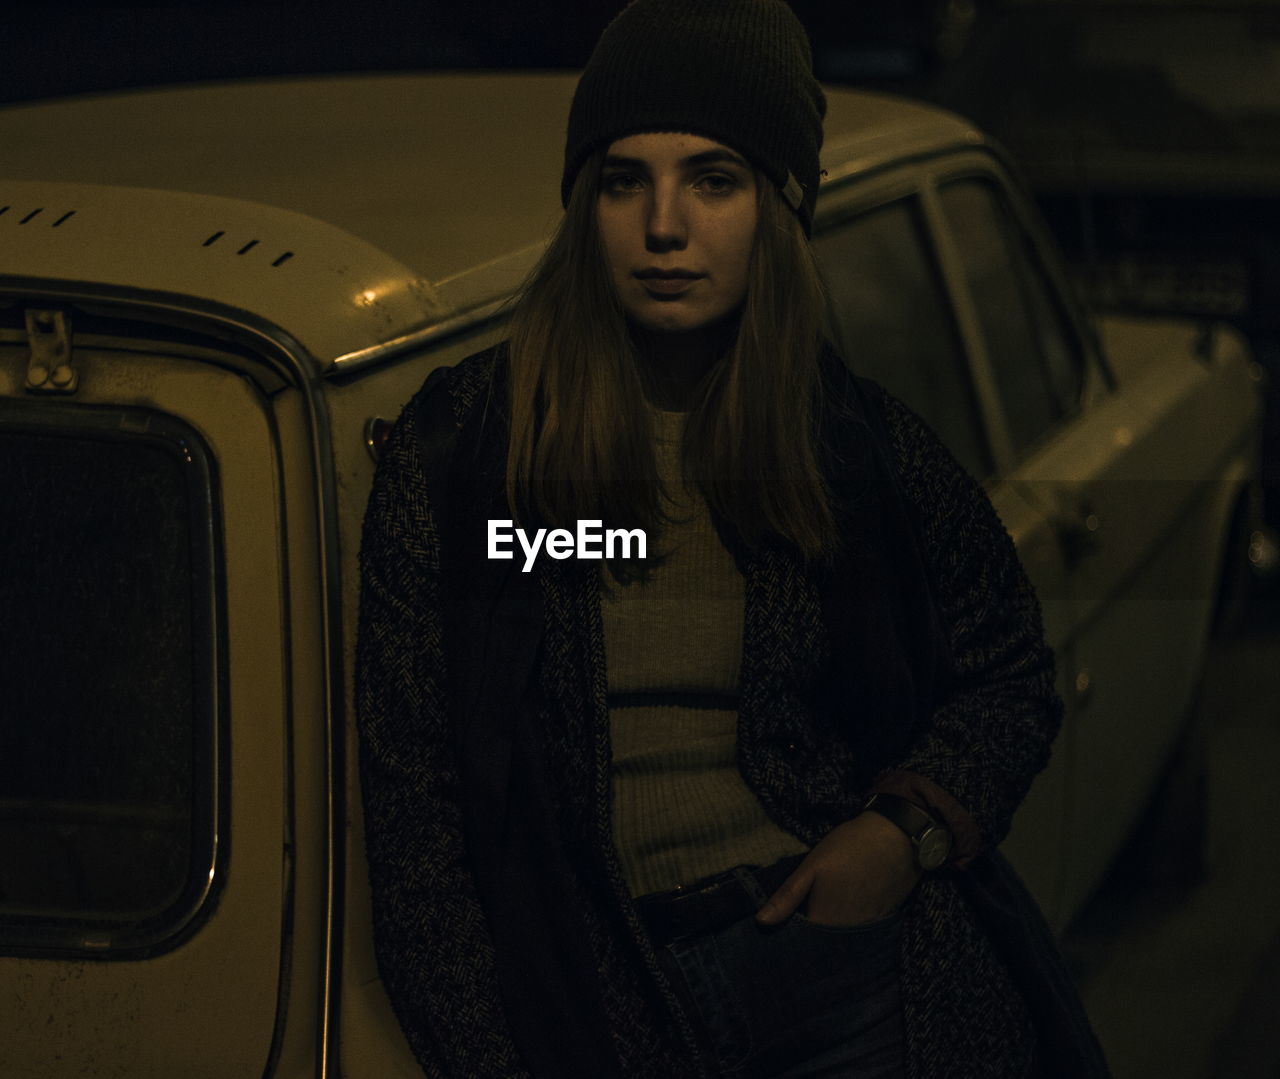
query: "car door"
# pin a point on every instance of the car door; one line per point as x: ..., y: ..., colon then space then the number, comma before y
x: 1126, y: 478
x: 143, y: 855
x: 895, y: 320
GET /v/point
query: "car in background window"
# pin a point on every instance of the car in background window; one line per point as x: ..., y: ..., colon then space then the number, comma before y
x: 214, y: 299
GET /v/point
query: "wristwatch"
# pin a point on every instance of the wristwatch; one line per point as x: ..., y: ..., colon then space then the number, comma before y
x: 931, y: 840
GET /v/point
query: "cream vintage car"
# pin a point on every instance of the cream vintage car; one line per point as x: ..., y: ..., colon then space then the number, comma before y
x: 209, y: 299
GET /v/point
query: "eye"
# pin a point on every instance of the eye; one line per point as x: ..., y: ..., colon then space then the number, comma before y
x: 620, y: 183
x: 717, y: 183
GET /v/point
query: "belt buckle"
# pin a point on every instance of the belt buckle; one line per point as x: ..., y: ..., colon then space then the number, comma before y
x: 710, y: 888
x: 684, y: 899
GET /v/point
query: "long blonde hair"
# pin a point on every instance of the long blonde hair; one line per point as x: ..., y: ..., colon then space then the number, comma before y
x: 581, y: 444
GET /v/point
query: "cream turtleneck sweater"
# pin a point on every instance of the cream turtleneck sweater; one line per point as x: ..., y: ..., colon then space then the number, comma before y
x: 673, y: 648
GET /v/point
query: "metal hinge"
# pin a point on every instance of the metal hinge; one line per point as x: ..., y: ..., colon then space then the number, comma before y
x: 49, y: 367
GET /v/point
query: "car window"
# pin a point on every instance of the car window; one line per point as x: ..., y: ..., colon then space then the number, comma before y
x: 894, y: 324
x: 106, y: 820
x: 1037, y: 367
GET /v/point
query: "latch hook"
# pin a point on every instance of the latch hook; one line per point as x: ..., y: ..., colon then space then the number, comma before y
x: 49, y: 367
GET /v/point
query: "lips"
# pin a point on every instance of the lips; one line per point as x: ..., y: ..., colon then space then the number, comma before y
x: 667, y: 275
x: 660, y: 283
x: 668, y: 286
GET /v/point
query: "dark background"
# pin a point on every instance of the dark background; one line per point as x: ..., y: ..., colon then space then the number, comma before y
x: 59, y: 48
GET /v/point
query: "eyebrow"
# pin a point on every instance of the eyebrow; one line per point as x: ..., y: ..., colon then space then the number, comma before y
x: 706, y: 157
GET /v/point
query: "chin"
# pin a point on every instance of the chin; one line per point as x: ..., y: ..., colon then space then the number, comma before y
x: 673, y: 321
x: 668, y: 325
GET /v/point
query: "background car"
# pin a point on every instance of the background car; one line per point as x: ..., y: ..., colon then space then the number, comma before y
x: 213, y: 299
x: 1150, y: 135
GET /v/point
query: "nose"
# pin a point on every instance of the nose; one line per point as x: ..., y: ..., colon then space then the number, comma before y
x: 666, y: 228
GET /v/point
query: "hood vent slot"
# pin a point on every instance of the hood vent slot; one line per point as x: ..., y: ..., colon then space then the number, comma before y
x: 279, y: 261
x: 35, y: 213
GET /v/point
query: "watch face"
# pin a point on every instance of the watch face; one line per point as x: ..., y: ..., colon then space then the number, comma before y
x: 933, y: 848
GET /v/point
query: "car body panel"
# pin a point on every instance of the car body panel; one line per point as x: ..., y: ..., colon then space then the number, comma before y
x: 138, y: 1016
x: 337, y: 294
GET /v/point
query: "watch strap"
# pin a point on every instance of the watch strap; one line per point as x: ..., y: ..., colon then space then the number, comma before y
x: 913, y: 820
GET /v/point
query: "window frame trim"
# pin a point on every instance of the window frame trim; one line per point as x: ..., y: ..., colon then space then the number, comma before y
x: 1042, y: 251
x: 855, y: 195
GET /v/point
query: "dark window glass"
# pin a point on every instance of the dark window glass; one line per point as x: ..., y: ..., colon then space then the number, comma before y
x: 894, y: 324
x: 1036, y: 364
x: 105, y: 691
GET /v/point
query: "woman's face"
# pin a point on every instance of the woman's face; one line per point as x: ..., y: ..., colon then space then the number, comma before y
x: 677, y: 215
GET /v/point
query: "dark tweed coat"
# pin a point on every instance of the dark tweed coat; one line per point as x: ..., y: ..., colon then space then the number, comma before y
x: 983, y: 742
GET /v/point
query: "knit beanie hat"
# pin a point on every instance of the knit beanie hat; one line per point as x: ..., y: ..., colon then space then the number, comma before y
x: 736, y: 71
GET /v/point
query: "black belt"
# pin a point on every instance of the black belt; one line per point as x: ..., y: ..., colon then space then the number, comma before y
x: 708, y: 905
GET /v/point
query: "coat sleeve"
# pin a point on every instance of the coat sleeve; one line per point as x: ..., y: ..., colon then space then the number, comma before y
x: 433, y: 946
x: 992, y: 732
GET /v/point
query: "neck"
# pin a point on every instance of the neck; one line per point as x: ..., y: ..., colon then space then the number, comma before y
x: 678, y: 362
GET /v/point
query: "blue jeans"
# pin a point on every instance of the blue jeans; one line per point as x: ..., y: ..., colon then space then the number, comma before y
x: 795, y: 1001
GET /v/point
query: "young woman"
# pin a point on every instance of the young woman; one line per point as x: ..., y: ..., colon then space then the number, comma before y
x: 727, y: 809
